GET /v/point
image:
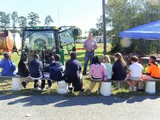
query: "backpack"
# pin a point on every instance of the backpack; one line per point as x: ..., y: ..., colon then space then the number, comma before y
x: 56, y: 71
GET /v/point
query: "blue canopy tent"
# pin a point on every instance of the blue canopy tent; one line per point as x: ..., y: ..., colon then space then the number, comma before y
x: 150, y: 31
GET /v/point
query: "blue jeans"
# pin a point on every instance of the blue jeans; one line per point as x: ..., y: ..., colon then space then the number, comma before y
x: 88, y: 56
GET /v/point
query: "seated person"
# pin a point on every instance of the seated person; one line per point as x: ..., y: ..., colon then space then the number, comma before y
x: 35, y: 68
x: 23, y: 70
x: 7, y: 65
x: 56, y: 70
x: 152, y: 70
x: 73, y: 73
x: 106, y: 62
x: 119, y: 69
x: 47, y: 72
x: 97, y: 71
x: 135, y: 72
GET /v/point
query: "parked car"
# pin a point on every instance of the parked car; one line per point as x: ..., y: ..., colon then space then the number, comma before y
x: 80, y: 41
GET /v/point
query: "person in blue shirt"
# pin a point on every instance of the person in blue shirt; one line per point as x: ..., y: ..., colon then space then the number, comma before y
x: 7, y: 65
x: 35, y: 69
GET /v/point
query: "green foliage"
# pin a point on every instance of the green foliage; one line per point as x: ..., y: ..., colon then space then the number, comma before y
x: 22, y: 21
x: 79, y: 33
x: 125, y: 14
x: 48, y: 20
x: 95, y: 32
x: 15, y: 19
x: 4, y: 19
x: 33, y: 19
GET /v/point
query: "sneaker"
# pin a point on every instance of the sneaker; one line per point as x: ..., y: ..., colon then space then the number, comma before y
x: 43, y: 89
x: 70, y: 89
x: 36, y: 88
x: 134, y: 88
x: 24, y: 84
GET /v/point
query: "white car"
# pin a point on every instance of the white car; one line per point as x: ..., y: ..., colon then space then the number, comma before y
x: 80, y: 41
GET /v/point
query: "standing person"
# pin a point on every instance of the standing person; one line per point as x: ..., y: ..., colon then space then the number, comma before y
x: 7, y: 65
x: 106, y: 62
x: 97, y: 72
x: 35, y: 68
x: 73, y: 73
x: 135, y: 72
x: 119, y: 68
x: 23, y: 69
x: 89, y: 45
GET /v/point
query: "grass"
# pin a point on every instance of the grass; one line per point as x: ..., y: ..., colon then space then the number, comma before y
x: 6, y: 85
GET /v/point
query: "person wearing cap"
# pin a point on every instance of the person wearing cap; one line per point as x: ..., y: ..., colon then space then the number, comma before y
x: 7, y: 65
x: 73, y: 73
x: 89, y: 45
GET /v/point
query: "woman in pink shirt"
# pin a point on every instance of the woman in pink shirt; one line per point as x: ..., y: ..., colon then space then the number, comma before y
x: 97, y: 71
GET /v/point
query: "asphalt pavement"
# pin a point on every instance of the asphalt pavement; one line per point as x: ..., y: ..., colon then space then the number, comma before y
x: 48, y: 107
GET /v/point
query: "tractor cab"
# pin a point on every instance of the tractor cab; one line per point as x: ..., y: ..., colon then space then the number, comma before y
x: 47, y: 41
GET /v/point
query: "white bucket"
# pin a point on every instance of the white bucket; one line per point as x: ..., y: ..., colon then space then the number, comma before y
x: 16, y: 84
x: 150, y: 87
x: 62, y: 87
x: 105, y: 89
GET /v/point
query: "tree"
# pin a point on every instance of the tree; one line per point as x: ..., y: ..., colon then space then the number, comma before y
x: 15, y: 19
x: 125, y: 14
x: 79, y: 33
x: 33, y: 19
x: 48, y: 20
x: 2, y: 15
x: 95, y: 32
x: 22, y: 21
x: 4, y: 19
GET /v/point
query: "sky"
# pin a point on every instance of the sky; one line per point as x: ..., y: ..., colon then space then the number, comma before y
x: 81, y: 13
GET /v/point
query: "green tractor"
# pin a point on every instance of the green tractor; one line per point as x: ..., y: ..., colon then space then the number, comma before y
x: 47, y: 41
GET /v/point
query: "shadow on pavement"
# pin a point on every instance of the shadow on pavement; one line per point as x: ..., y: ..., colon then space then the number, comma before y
x: 104, y: 100
x: 63, y: 101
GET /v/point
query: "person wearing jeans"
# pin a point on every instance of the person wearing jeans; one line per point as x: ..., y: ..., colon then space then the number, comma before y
x: 89, y: 45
